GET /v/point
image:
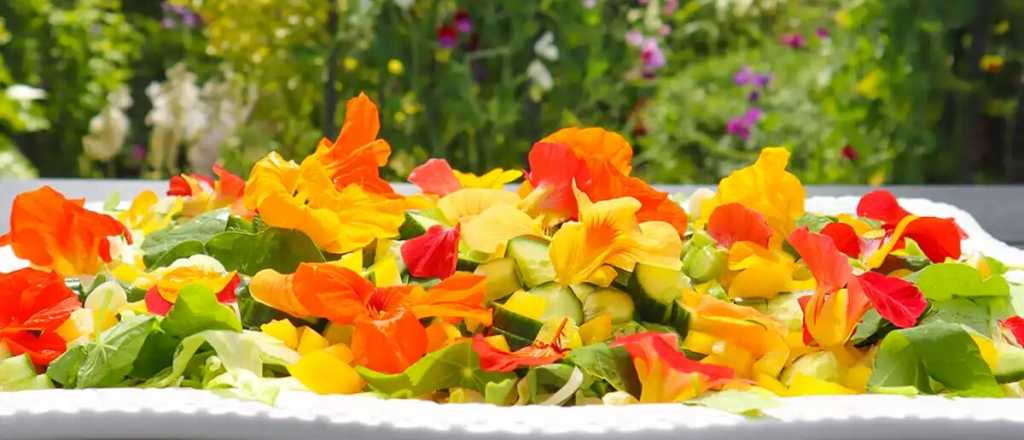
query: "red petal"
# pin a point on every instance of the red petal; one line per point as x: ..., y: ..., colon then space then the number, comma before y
x: 733, y: 222
x: 435, y: 176
x: 665, y: 347
x: 156, y: 303
x: 555, y: 167
x: 227, y: 294
x: 897, y: 300
x: 1015, y: 324
x: 179, y: 187
x: 939, y: 238
x: 433, y: 254
x: 229, y: 186
x: 830, y: 267
x: 42, y: 349
x: 32, y: 300
x: 803, y: 301
x: 493, y: 359
x: 845, y: 238
x: 881, y: 205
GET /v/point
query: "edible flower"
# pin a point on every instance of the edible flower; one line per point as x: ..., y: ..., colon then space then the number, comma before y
x: 489, y: 231
x: 502, y: 360
x: 749, y: 342
x: 356, y: 156
x: 665, y: 373
x: 33, y: 304
x: 607, y: 233
x: 387, y: 336
x: 765, y: 187
x: 143, y: 216
x: 433, y: 254
x: 939, y: 238
x: 437, y: 177
x: 554, y: 170
x: 227, y: 191
x: 57, y: 233
x: 732, y: 222
x: 197, y: 269
x: 1015, y: 325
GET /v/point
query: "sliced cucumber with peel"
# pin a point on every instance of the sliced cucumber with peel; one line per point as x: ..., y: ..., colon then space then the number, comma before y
x: 561, y: 302
x: 532, y: 261
x: 609, y: 301
x: 501, y: 276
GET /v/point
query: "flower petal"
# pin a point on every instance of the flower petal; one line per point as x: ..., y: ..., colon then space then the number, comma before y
x: 844, y: 237
x: 389, y: 343
x: 831, y: 268
x: 733, y: 222
x: 436, y: 177
x: 497, y: 360
x: 765, y: 187
x: 881, y: 205
x: 467, y: 203
x: 433, y: 254
x: 333, y: 292
x: 1015, y: 324
x: 458, y: 296
x: 493, y: 227
x: 596, y: 145
x: 897, y: 300
x: 554, y: 169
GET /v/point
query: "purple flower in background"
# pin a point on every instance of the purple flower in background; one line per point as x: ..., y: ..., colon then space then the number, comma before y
x: 174, y: 14
x: 634, y: 38
x: 138, y: 152
x: 741, y: 125
x: 794, y: 40
x: 447, y: 36
x: 748, y: 77
x: 822, y: 32
x: 754, y: 96
x: 652, y: 55
x: 463, y: 22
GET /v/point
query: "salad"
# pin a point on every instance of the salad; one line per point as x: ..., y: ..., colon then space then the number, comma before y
x: 572, y: 282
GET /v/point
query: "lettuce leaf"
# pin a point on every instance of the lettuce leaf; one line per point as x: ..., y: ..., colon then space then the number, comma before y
x: 106, y: 361
x: 200, y: 229
x: 237, y: 351
x: 749, y: 403
x: 274, y: 248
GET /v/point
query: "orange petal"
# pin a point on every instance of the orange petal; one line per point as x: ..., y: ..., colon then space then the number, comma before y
x: 333, y: 292
x: 389, y: 343
x: 596, y: 145
x: 458, y: 296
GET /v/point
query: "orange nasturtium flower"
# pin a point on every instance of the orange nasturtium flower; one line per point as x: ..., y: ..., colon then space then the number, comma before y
x: 387, y: 335
x: 765, y: 187
x: 33, y: 304
x: 357, y: 155
x: 52, y: 231
x: 607, y: 233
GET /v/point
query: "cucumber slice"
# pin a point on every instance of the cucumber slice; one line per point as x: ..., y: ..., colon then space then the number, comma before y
x: 1009, y: 363
x: 612, y: 302
x: 582, y: 290
x: 501, y: 278
x: 561, y: 302
x: 705, y: 263
x: 532, y: 260
x: 415, y: 225
x: 656, y: 292
x: 40, y: 382
x: 16, y: 369
x: 513, y: 324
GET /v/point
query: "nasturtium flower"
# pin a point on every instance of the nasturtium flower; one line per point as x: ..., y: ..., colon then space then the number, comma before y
x: 436, y: 177
x: 502, y: 360
x: 166, y: 283
x: 357, y: 155
x: 607, y: 233
x: 765, y: 187
x: 54, y: 232
x: 143, y: 215
x: 433, y: 254
x: 554, y: 170
x: 495, y: 179
x: 845, y: 238
x: 841, y: 299
x: 596, y: 146
x: 33, y: 304
x: 303, y: 197
x: 467, y: 203
x: 388, y: 335
x: 201, y: 193
x: 665, y: 373
x: 753, y: 343
x: 732, y: 222
x: 490, y: 230
x: 938, y: 238
x: 759, y: 272
x: 1015, y: 325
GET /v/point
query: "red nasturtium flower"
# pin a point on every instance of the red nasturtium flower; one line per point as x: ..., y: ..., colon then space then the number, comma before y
x: 939, y: 238
x: 436, y: 177
x: 665, y: 373
x: 554, y: 168
x: 734, y: 222
x: 228, y: 190
x: 388, y: 335
x: 52, y: 231
x: 1015, y: 324
x: 536, y: 354
x: 433, y: 254
x: 841, y: 299
x: 32, y: 305
x: 845, y: 238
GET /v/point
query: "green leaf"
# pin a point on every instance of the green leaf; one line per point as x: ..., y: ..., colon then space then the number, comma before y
x: 244, y: 385
x: 750, y: 403
x: 544, y: 379
x: 245, y: 351
x: 453, y: 366
x: 197, y: 309
x: 613, y: 365
x: 944, y: 281
x: 107, y: 360
x: 814, y: 222
x: 944, y: 351
x: 201, y: 229
x: 274, y: 248
x: 971, y: 313
x: 871, y: 328
x: 184, y: 249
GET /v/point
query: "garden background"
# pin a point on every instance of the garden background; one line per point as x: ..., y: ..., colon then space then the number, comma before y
x: 863, y: 91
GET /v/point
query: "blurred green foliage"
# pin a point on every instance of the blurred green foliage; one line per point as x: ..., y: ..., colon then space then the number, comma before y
x: 860, y: 90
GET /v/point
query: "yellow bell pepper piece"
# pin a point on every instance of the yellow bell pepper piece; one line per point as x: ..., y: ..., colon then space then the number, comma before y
x: 310, y: 341
x: 527, y: 304
x: 324, y: 373
x: 597, y: 329
x: 283, y: 330
x: 499, y: 342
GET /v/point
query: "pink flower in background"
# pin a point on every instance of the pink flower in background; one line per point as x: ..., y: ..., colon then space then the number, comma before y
x: 652, y: 55
x: 447, y: 36
x: 822, y: 32
x: 670, y: 7
x: 138, y: 152
x: 794, y: 40
x: 463, y: 22
x: 741, y: 125
x: 634, y: 38
x: 748, y: 77
x: 664, y: 30
x: 850, y: 153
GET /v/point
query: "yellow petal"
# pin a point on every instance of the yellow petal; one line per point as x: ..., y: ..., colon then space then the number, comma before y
x: 765, y: 187
x: 496, y: 225
x: 310, y: 341
x: 282, y: 330
x: 598, y: 329
x: 494, y: 179
x: 469, y: 202
x: 324, y: 373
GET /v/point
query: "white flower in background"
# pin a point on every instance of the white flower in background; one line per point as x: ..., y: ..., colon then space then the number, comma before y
x: 405, y: 4
x: 540, y: 75
x: 228, y: 103
x: 177, y: 116
x: 107, y: 130
x: 23, y: 93
x: 545, y: 47
x: 741, y: 8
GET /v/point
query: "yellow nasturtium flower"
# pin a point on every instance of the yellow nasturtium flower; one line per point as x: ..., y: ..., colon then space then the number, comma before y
x: 765, y: 187
x: 492, y: 228
x: 758, y: 272
x: 466, y: 203
x: 607, y: 233
x: 142, y: 215
x: 493, y: 179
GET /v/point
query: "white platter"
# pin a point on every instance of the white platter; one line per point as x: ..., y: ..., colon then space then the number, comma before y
x: 185, y: 413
